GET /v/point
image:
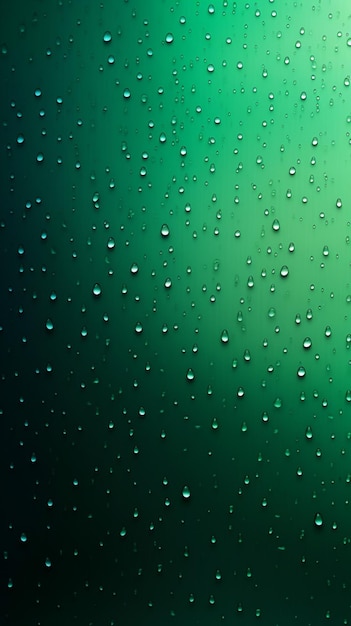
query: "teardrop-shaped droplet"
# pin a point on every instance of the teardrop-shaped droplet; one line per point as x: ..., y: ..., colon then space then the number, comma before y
x: 318, y: 520
x: 165, y: 230
x: 224, y: 336
x: 97, y: 290
x: 186, y: 492
x: 307, y: 343
x: 190, y: 375
x: 247, y: 355
x: 138, y: 328
x: 308, y: 432
x: 301, y: 372
x: 214, y: 424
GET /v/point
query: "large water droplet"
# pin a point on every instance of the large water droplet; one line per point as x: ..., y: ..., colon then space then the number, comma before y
x: 214, y: 424
x: 301, y: 372
x: 107, y: 37
x: 190, y: 375
x: 318, y: 520
x: 186, y: 492
x: 308, y: 432
x: 307, y: 343
x: 97, y: 290
x: 224, y: 336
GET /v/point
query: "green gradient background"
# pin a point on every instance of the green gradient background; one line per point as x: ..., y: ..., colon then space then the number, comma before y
x: 76, y: 402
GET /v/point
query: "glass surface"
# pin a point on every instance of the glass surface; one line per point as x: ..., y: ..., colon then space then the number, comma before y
x: 175, y: 313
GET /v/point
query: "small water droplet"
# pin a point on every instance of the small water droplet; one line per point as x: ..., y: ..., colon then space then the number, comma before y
x: 307, y: 343
x: 284, y: 272
x: 169, y: 38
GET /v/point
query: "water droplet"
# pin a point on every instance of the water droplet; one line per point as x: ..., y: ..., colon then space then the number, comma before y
x: 138, y: 328
x: 186, y: 492
x: 218, y: 575
x: 277, y: 403
x: 134, y: 269
x: 107, y: 37
x: 307, y: 343
x: 214, y: 424
x: 224, y: 336
x: 23, y: 537
x: 276, y: 225
x: 247, y: 355
x: 20, y: 139
x: 301, y: 372
x: 169, y: 38
x: 48, y: 562
x: 111, y: 243
x: 190, y: 375
x: 308, y: 432
x: 126, y: 93
x: 164, y: 230
x: 328, y: 331
x: 284, y: 272
x: 318, y: 520
x: 49, y: 325
x: 97, y: 290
